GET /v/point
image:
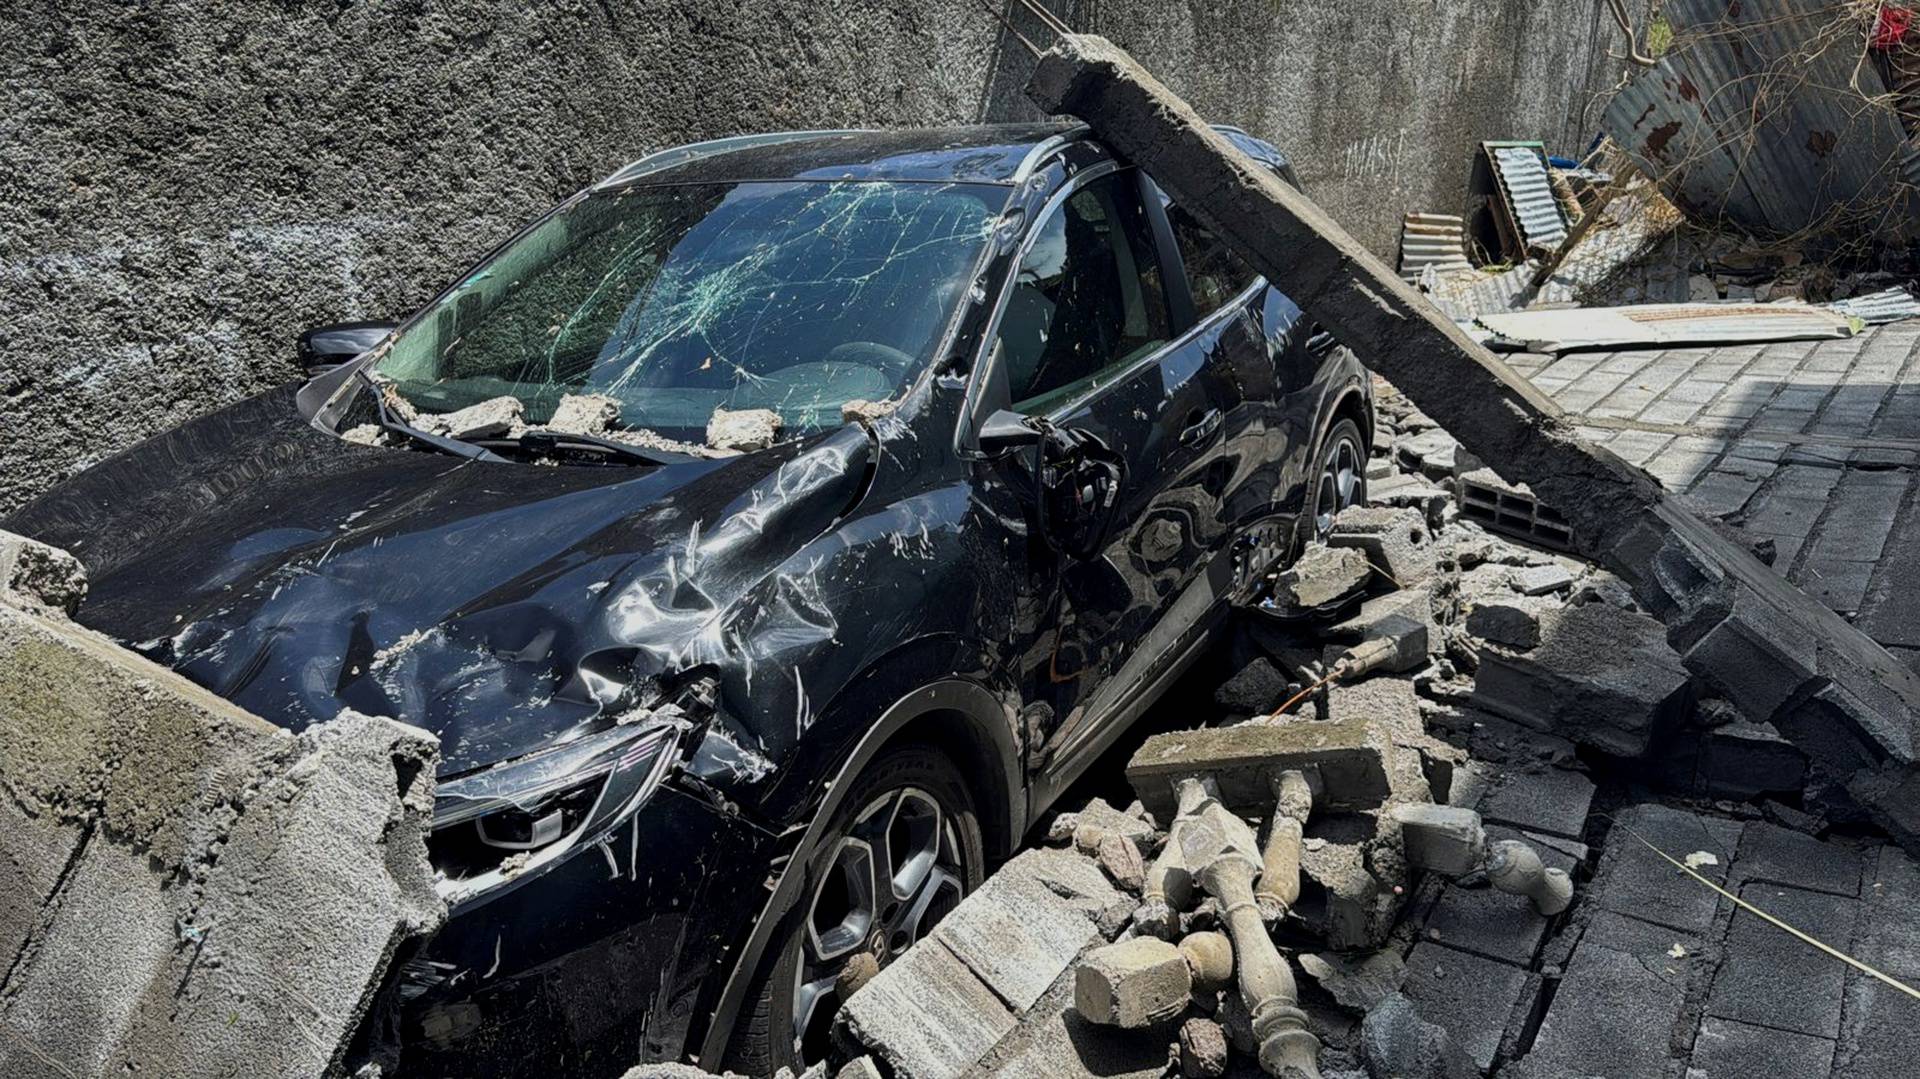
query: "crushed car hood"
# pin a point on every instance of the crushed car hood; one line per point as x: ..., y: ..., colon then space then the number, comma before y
x: 505, y: 607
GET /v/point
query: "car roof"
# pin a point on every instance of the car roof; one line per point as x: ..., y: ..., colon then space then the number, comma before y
x: 982, y: 153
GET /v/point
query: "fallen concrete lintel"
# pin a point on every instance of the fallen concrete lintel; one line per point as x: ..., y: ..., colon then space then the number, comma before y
x: 1827, y: 686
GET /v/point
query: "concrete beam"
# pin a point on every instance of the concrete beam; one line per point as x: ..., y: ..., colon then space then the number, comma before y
x: 1778, y: 654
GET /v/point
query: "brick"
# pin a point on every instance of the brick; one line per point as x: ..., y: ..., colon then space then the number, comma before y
x: 1728, y: 1050
x: 1778, y: 855
x: 1775, y: 980
x: 1471, y: 997
x: 1635, y: 881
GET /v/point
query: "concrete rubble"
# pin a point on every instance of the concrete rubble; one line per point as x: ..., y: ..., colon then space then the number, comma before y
x: 186, y: 885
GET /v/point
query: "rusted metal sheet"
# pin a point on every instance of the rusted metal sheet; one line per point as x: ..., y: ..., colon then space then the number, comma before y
x: 1770, y: 115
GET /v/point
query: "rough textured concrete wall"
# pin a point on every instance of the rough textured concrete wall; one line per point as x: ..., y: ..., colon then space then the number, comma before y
x: 186, y: 890
x: 188, y: 185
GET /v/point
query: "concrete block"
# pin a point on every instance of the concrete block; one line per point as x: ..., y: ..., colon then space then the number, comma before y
x: 1600, y: 676
x: 927, y: 1015
x: 1442, y: 839
x: 1397, y: 542
x: 1511, y: 621
x: 1321, y: 576
x: 1404, y: 617
x: 1724, y: 1049
x: 1132, y: 984
x: 1255, y: 689
x: 1203, y: 1049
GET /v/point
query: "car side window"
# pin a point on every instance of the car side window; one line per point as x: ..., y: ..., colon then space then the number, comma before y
x: 1088, y: 297
x: 1214, y: 272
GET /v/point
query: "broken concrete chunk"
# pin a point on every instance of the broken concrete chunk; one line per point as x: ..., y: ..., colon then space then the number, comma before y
x: 1357, y: 983
x: 1397, y: 542
x: 1443, y: 839
x: 860, y: 1068
x: 1404, y: 618
x: 584, y: 414
x: 747, y: 430
x: 1540, y: 580
x: 1132, y: 984
x: 1513, y: 621
x: 1121, y: 859
x: 488, y: 419
x: 1745, y: 760
x: 1600, y: 676
x: 366, y: 434
x: 1255, y: 689
x: 1321, y: 576
x: 1410, y: 492
x: 863, y: 411
x: 1395, y: 1043
x: 1097, y: 820
x: 40, y: 575
x: 1203, y: 1049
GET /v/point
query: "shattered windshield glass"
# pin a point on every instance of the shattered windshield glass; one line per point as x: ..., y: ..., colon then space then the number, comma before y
x: 676, y: 300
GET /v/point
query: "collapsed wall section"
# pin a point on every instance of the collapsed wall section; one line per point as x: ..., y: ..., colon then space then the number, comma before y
x: 1781, y: 657
x: 185, y: 889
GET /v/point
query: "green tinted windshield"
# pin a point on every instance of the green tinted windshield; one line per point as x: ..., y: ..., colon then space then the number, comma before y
x: 677, y: 300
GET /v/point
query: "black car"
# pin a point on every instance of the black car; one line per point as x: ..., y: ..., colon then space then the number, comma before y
x: 712, y: 724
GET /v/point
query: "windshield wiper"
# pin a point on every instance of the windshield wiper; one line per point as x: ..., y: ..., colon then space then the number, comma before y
x: 553, y: 443
x: 411, y: 433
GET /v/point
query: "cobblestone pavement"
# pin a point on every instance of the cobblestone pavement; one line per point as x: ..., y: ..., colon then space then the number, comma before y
x: 1810, y: 445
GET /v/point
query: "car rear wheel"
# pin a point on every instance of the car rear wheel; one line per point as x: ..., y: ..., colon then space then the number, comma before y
x: 901, y: 852
x: 1341, y: 480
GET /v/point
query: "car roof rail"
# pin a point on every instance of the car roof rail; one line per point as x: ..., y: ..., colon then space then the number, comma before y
x: 680, y: 155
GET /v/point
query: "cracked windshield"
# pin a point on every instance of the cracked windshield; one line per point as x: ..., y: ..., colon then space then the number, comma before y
x: 796, y: 297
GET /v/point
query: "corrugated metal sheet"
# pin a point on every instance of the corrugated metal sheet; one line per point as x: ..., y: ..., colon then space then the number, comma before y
x: 1760, y: 114
x: 1436, y: 240
x: 1890, y: 306
x: 1666, y: 325
x: 1529, y: 191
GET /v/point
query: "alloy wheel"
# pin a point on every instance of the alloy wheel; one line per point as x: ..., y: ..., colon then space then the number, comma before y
x: 893, y: 875
x: 1339, y: 486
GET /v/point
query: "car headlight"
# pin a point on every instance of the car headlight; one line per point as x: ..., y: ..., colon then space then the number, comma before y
x: 511, y: 822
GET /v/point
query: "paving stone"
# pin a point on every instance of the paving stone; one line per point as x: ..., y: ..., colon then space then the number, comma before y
x: 1635, y: 881
x: 928, y: 1014
x: 1878, y: 1039
x: 1552, y: 800
x: 1651, y: 944
x: 1777, y: 855
x: 1471, y: 997
x: 1773, y: 979
x: 1489, y: 922
x: 1728, y: 1050
x: 1839, y: 586
x: 1612, y: 1015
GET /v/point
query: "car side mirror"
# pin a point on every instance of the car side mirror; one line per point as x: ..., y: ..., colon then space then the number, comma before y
x: 1004, y: 432
x: 325, y: 347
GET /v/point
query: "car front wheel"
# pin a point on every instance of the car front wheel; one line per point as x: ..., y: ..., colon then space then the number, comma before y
x: 901, y: 852
x: 1342, y: 477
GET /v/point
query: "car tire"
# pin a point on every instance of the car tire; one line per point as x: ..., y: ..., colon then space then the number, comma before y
x: 1339, y: 476
x: 910, y: 806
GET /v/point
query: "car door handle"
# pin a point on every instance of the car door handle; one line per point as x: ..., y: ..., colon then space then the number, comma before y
x: 1200, y: 426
